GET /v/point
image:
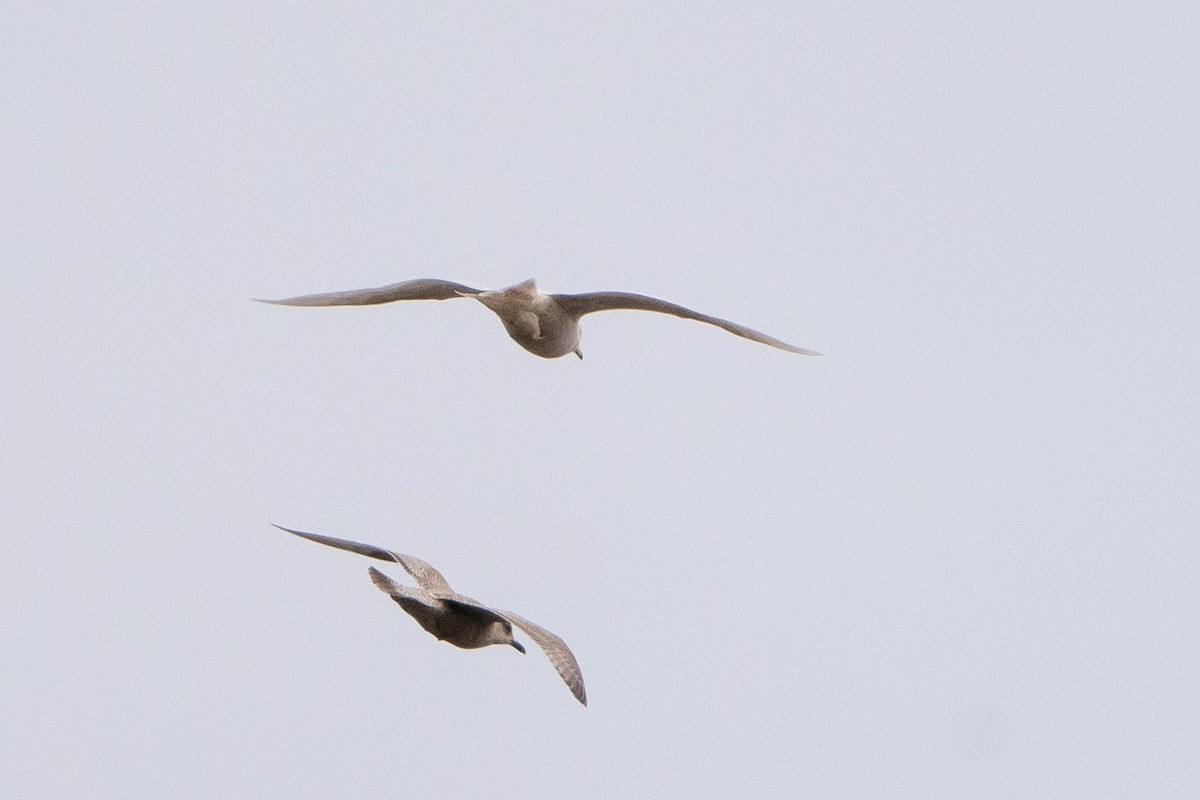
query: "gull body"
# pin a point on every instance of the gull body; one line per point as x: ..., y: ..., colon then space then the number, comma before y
x: 546, y: 325
x: 455, y: 618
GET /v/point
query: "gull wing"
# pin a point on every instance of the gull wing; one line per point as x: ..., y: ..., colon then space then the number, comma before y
x: 577, y: 305
x: 555, y: 649
x: 419, y: 289
x: 428, y: 578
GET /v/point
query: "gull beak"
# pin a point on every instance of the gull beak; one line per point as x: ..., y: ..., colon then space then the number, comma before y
x: 579, y: 352
x: 518, y: 645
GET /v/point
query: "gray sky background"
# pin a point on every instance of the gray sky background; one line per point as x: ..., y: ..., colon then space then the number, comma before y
x: 954, y: 557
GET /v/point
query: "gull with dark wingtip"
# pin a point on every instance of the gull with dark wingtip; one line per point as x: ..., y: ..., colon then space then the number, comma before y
x: 454, y: 618
x: 546, y: 325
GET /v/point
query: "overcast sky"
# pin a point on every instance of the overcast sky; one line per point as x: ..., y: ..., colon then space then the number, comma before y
x: 956, y: 556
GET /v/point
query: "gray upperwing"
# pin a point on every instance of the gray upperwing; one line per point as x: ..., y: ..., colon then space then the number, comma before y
x: 425, y: 575
x: 577, y: 305
x: 419, y: 289
x: 555, y: 649
x: 369, y: 550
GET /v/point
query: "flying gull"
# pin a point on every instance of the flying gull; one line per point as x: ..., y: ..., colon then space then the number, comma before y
x: 456, y: 619
x: 546, y: 325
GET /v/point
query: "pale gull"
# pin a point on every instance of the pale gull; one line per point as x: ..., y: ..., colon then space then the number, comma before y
x: 456, y: 619
x: 546, y: 325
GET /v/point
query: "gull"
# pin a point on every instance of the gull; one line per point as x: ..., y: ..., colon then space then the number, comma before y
x: 453, y: 618
x: 546, y: 325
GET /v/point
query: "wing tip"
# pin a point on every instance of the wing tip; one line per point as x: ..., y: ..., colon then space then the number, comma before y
x: 286, y: 301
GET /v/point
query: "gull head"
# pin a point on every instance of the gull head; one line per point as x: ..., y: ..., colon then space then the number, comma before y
x: 501, y: 632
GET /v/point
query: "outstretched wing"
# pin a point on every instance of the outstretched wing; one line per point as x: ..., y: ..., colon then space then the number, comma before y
x: 555, y: 649
x: 419, y: 289
x: 425, y: 575
x: 579, y: 304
